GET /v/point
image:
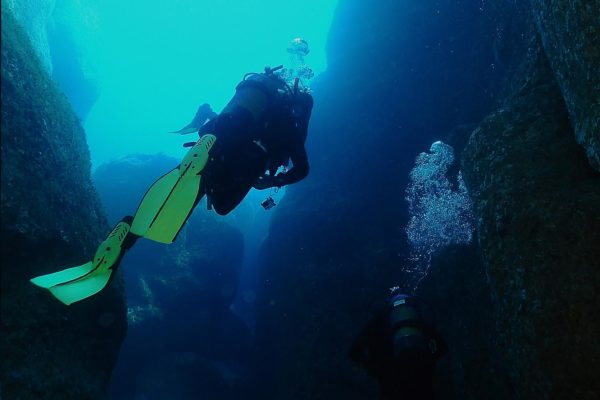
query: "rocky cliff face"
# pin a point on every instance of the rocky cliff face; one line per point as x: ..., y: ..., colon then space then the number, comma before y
x: 33, y: 17
x: 51, y: 219
x: 538, y: 204
x: 570, y: 34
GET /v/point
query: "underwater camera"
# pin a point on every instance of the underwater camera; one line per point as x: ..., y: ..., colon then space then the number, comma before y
x: 268, y: 203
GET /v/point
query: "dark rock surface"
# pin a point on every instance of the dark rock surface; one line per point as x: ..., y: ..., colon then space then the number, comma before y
x: 570, y: 33
x: 51, y: 219
x: 456, y: 300
x: 538, y: 206
x: 179, y: 298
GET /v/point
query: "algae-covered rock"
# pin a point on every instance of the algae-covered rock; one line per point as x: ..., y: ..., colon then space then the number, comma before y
x: 570, y: 32
x: 51, y: 219
x: 538, y: 207
x: 34, y: 15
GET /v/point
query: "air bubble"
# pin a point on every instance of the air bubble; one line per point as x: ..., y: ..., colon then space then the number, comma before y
x: 440, y: 213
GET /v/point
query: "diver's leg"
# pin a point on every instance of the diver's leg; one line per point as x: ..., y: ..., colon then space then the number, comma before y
x: 160, y: 216
x: 225, y: 202
x: 78, y: 283
x: 168, y: 203
x: 240, y: 175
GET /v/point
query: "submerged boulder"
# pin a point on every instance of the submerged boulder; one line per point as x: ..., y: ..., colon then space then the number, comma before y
x: 538, y: 206
x: 51, y: 219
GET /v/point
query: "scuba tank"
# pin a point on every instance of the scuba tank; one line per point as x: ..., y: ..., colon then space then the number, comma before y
x: 405, y: 321
x: 262, y: 94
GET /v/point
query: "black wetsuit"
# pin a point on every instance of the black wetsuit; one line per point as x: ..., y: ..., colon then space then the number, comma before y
x: 409, y: 376
x: 262, y: 127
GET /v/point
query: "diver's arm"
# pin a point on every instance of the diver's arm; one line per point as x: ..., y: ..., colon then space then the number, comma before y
x: 439, y: 346
x: 361, y: 351
x: 298, y: 172
x: 295, y: 174
x: 442, y: 347
x: 302, y: 111
x: 358, y: 349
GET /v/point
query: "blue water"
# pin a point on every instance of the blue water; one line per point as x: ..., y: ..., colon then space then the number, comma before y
x: 157, y: 61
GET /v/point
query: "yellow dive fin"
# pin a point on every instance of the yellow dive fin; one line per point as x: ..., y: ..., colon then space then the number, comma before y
x: 170, y: 200
x: 78, y: 283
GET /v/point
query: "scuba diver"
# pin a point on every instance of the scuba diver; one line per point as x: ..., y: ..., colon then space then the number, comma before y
x: 262, y: 127
x: 399, y: 349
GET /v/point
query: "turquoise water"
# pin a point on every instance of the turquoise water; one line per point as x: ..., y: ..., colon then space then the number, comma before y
x: 157, y: 61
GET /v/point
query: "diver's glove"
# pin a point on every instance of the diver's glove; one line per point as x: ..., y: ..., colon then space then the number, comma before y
x: 268, y: 181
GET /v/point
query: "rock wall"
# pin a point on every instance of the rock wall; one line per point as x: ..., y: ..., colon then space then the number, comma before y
x: 34, y: 17
x: 62, y: 32
x: 538, y: 206
x: 456, y: 300
x: 570, y: 34
x: 51, y: 219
